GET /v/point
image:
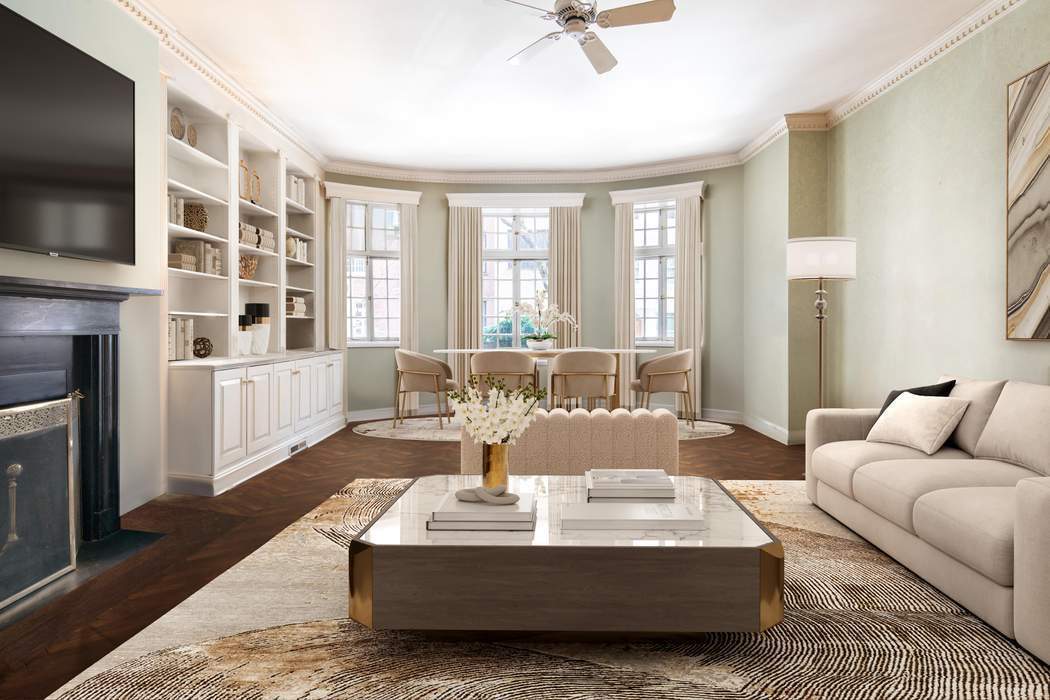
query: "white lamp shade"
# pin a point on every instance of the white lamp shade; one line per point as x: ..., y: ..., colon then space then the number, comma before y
x: 829, y: 257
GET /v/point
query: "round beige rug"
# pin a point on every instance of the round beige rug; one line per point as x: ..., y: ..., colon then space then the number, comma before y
x: 427, y: 429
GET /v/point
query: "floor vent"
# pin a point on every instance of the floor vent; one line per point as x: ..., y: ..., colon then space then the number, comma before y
x: 297, y: 447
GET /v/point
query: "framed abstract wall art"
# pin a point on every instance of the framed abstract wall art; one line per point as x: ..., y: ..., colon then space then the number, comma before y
x: 1028, y: 206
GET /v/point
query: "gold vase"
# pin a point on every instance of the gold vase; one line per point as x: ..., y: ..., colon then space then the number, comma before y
x: 494, y: 465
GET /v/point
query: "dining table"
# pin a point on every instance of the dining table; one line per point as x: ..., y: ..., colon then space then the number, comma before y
x: 545, y: 356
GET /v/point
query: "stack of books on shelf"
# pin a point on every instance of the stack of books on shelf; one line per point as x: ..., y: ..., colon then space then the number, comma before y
x: 195, y: 255
x: 635, y: 485
x: 257, y: 237
x: 295, y: 306
x: 297, y: 189
x: 180, y: 339
x: 453, y: 514
x: 298, y: 249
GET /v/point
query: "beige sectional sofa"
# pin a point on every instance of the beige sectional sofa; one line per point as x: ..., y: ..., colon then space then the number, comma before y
x: 972, y: 519
x: 559, y: 442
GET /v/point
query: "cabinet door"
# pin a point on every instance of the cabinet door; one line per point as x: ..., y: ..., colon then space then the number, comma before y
x: 284, y: 399
x: 262, y: 414
x: 229, y: 411
x: 302, y: 395
x: 335, y: 386
x: 319, y: 377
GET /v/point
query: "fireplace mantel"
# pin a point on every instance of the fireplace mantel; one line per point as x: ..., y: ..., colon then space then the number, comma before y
x: 34, y: 315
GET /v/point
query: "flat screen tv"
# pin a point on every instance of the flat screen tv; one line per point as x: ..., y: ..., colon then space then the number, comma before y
x: 67, y: 148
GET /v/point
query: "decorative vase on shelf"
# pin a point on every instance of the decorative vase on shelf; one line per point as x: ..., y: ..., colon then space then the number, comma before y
x: 495, y: 461
x: 540, y: 344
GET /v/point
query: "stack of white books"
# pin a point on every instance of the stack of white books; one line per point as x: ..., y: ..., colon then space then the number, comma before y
x: 631, y: 516
x: 634, y: 485
x: 453, y: 514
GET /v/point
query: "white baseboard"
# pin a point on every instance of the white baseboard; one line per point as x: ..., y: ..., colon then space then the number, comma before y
x: 198, y: 485
x: 759, y: 425
x: 381, y: 413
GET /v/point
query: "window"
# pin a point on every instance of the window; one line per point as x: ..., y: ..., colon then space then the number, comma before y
x: 515, y: 244
x: 654, y: 272
x: 373, y: 272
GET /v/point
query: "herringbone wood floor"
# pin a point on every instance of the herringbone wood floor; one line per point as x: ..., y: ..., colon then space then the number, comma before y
x: 206, y: 536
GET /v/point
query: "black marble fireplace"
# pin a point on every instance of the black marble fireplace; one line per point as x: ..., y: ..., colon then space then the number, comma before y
x: 57, y: 338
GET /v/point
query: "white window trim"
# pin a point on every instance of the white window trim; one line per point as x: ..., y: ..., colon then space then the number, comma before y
x: 516, y: 200
x: 368, y: 254
x: 370, y: 195
x: 656, y: 194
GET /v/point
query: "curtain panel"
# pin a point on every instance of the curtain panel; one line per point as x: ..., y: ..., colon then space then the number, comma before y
x: 409, y: 337
x: 623, y: 294
x: 565, y: 280
x: 689, y: 291
x: 464, y: 285
x: 336, y: 273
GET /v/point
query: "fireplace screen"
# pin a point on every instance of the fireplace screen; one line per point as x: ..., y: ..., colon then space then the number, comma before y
x: 38, y: 499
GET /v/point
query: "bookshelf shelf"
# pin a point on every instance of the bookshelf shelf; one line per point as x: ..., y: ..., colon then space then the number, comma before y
x: 298, y: 263
x: 192, y: 194
x: 198, y: 314
x: 252, y: 250
x: 304, y: 290
x: 256, y: 283
x: 298, y: 234
x: 176, y: 231
x: 188, y: 154
x: 296, y: 207
x: 253, y: 209
x: 190, y: 274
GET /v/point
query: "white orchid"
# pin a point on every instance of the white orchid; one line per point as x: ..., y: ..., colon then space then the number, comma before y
x: 499, y: 418
x: 543, y: 316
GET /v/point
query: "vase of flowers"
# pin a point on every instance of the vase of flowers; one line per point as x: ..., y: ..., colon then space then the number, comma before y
x: 542, y: 318
x: 496, y: 420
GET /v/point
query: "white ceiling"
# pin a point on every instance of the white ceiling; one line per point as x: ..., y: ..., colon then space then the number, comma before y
x: 424, y: 83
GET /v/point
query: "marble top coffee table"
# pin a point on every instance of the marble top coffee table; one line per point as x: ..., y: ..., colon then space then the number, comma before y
x: 727, y: 577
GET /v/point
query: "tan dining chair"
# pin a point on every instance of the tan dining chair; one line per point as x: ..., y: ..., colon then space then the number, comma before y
x: 583, y: 374
x: 515, y: 369
x: 421, y: 373
x: 667, y: 374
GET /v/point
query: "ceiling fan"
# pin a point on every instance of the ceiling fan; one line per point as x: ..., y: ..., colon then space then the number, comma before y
x: 575, y: 17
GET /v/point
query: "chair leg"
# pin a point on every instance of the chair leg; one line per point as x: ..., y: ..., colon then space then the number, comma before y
x: 437, y: 399
x: 397, y: 396
x: 689, y: 407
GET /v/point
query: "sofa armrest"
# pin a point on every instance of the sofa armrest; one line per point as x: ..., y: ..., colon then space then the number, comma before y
x: 824, y: 425
x: 1032, y: 566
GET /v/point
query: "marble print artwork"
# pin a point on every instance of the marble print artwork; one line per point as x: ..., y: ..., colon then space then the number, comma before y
x: 1028, y: 206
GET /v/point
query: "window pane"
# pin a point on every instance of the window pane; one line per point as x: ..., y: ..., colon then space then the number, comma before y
x: 357, y: 329
x: 357, y: 239
x: 380, y: 328
x: 357, y: 216
x: 357, y: 287
x: 651, y: 328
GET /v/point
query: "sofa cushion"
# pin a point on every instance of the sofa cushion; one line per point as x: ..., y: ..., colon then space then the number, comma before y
x: 1017, y: 429
x: 891, y: 489
x: 941, y: 389
x: 922, y: 422
x: 974, y: 525
x: 835, y: 462
x: 982, y: 396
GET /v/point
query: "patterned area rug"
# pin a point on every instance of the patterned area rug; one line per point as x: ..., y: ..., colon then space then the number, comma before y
x: 857, y: 626
x: 428, y: 429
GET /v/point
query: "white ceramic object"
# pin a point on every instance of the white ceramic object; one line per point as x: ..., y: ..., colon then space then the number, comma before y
x: 540, y: 344
x: 260, y: 338
x: 244, y: 342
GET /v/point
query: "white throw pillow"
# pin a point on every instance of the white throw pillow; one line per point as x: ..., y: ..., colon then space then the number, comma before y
x: 922, y: 422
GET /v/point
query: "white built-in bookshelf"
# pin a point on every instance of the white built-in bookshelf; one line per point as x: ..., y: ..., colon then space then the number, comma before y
x: 284, y: 201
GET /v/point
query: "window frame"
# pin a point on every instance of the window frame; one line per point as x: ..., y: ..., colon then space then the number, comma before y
x: 370, y: 255
x: 663, y: 252
x: 515, y: 256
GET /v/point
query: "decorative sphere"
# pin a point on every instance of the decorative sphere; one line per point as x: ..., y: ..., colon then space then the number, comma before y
x: 202, y: 347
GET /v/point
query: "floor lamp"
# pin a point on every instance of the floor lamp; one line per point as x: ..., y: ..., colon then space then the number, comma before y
x: 821, y: 258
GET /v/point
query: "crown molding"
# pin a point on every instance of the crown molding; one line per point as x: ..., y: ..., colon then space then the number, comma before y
x: 360, y: 193
x: 194, y: 58
x: 807, y: 121
x: 516, y: 200
x: 534, y: 177
x: 763, y: 140
x: 981, y: 18
x: 656, y: 194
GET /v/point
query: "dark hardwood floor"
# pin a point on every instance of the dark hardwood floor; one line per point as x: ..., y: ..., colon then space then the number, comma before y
x: 206, y: 536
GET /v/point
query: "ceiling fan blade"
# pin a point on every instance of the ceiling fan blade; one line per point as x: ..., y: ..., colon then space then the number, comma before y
x: 526, y: 7
x: 642, y: 13
x: 597, y: 53
x: 534, y: 48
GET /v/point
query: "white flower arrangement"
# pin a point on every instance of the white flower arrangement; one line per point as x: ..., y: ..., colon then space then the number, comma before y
x: 499, y: 418
x: 544, y: 316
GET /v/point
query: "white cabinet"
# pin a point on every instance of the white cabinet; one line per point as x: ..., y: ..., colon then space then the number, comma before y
x: 229, y: 419
x: 284, y: 398
x: 229, y: 411
x: 261, y: 421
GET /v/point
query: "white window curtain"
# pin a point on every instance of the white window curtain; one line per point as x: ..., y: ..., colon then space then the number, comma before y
x: 409, y: 298
x: 336, y: 273
x: 565, y: 282
x: 623, y: 293
x: 689, y: 291
x: 464, y: 285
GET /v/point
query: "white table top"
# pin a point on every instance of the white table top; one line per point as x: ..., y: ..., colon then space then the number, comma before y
x: 726, y: 523
x: 552, y: 351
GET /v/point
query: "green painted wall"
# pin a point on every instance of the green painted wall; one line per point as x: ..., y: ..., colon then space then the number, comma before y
x: 763, y: 289
x: 370, y: 370
x: 108, y: 33
x: 918, y: 177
